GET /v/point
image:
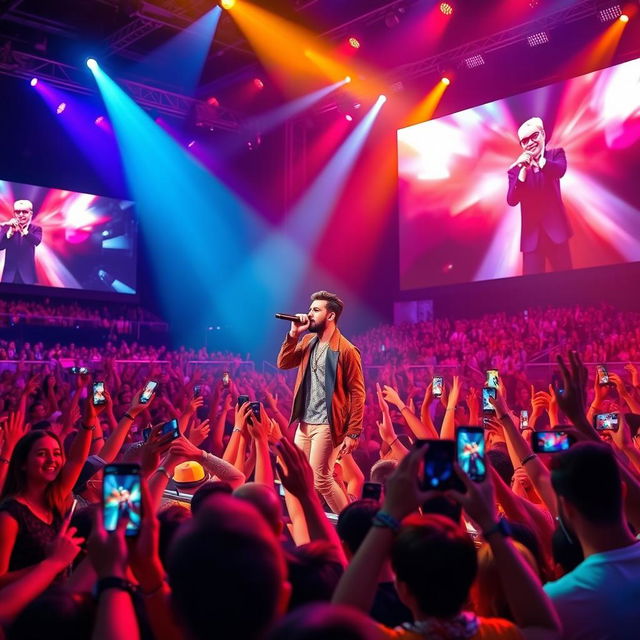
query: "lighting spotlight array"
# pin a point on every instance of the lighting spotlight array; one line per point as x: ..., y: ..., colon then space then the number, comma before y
x: 609, y: 14
x: 537, y: 39
x: 446, y: 8
x: 473, y: 62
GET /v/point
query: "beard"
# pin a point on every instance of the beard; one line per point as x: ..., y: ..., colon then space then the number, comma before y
x: 317, y: 327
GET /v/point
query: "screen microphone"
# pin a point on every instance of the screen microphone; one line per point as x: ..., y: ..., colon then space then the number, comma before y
x: 288, y: 316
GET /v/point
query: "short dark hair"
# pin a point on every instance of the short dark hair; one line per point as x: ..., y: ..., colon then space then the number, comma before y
x: 210, y: 488
x: 588, y: 477
x: 354, y: 522
x: 333, y: 302
x: 436, y: 559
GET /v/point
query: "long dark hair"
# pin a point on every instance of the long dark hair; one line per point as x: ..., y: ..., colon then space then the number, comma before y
x: 16, y: 480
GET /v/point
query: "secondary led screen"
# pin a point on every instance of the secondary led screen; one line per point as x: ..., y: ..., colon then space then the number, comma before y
x: 72, y: 240
x: 573, y: 202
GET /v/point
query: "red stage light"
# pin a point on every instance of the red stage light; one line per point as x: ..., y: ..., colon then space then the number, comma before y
x: 354, y: 42
x: 446, y: 8
x: 258, y: 83
x: 213, y: 101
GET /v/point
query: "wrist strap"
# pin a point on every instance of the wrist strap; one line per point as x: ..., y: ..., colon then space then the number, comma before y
x: 89, y: 428
x: 128, y: 415
x: 528, y: 458
x: 384, y: 520
x: 164, y: 471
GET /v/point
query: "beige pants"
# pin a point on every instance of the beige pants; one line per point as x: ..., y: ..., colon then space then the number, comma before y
x: 315, y: 441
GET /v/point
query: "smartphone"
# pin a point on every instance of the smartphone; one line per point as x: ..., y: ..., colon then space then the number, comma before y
x: 146, y: 432
x: 470, y: 452
x: 226, y: 379
x: 372, y: 491
x: 98, y: 394
x: 122, y: 496
x: 606, y: 421
x: 255, y: 409
x: 492, y: 378
x: 72, y: 510
x: 170, y: 427
x: 79, y: 371
x: 524, y: 419
x: 436, y: 386
x: 603, y: 376
x: 550, y: 441
x: 147, y: 392
x: 197, y: 391
x: 438, y: 472
x: 488, y: 392
x: 242, y: 399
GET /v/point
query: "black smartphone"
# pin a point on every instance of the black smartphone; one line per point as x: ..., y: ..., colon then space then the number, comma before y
x: 436, y: 386
x: 488, y: 392
x: 197, y: 391
x: 79, y: 371
x: 603, y: 375
x: 98, y: 394
x: 550, y: 441
x: 606, y: 421
x: 146, y: 432
x: 470, y: 452
x: 438, y: 472
x: 255, y: 409
x: 122, y: 496
x: 242, y: 399
x: 371, y: 491
x: 170, y: 427
x: 226, y: 378
x: 492, y: 378
x: 147, y: 392
x: 524, y: 419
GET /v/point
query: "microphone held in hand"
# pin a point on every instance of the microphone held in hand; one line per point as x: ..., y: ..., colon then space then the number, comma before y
x: 289, y: 317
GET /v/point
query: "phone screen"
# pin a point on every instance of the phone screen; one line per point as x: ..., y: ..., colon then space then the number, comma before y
x: 438, y: 472
x: 79, y: 371
x: 492, y: 378
x: 255, y: 409
x: 470, y: 452
x: 122, y: 496
x: 146, y: 432
x: 197, y: 391
x: 98, y: 394
x: 148, y: 391
x: 488, y: 392
x: 170, y: 427
x: 226, y: 379
x: 371, y: 491
x: 606, y: 421
x: 437, y: 386
x: 550, y: 441
x: 524, y: 419
x: 242, y: 400
x: 603, y: 376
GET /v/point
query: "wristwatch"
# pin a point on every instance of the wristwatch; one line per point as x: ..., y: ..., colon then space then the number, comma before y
x: 502, y: 527
x: 353, y: 436
x: 112, y: 582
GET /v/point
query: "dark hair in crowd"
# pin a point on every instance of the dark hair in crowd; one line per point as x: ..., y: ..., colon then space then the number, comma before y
x: 588, y: 477
x: 437, y: 561
x: 354, y: 522
x: 333, y: 302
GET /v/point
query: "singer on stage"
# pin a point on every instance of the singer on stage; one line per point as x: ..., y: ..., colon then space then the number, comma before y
x: 329, y: 392
x: 19, y: 239
x: 534, y: 182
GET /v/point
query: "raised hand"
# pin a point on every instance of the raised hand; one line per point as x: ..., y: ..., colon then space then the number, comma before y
x: 298, y: 477
x: 572, y: 401
x: 478, y: 501
x: 199, y: 432
x: 635, y: 379
x: 66, y: 546
x: 392, y: 396
x: 14, y: 429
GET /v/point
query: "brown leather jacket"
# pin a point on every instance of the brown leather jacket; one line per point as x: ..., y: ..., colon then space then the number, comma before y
x: 344, y: 381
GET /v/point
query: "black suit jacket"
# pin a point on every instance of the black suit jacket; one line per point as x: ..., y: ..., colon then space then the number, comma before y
x: 540, y: 201
x: 19, y: 257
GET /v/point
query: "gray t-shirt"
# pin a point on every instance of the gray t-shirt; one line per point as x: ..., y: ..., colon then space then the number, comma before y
x: 315, y: 397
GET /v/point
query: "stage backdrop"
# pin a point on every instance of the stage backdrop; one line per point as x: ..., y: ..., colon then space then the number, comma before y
x: 455, y: 223
x: 88, y: 242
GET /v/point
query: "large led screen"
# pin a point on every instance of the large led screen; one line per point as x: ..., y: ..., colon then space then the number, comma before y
x: 483, y: 197
x: 70, y: 240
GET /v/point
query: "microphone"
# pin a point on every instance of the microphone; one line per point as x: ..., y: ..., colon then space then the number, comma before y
x: 289, y: 317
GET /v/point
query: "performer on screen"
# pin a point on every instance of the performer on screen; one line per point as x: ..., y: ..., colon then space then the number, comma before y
x: 534, y: 182
x: 19, y: 238
x: 329, y: 392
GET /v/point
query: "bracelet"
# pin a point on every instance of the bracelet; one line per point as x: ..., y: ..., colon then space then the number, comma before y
x: 97, y: 439
x: 530, y: 457
x: 91, y: 428
x: 4, y: 460
x: 394, y: 441
x: 112, y: 582
x: 164, y: 471
x: 403, y: 408
x: 128, y: 415
x: 384, y: 520
x: 236, y: 429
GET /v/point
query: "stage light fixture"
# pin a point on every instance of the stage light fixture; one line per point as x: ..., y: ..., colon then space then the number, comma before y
x: 99, y: 120
x: 92, y: 63
x: 61, y: 107
x: 258, y: 83
x: 446, y: 8
x: 473, y: 62
x: 354, y: 42
x: 624, y: 18
x: 445, y: 81
x: 347, y: 79
x: 348, y: 117
x: 34, y: 82
x: 536, y: 39
x: 213, y: 101
x: 191, y: 143
x: 382, y: 98
x: 609, y: 14
x: 227, y: 4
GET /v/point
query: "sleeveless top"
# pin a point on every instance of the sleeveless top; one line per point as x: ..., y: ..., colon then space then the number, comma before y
x: 34, y: 535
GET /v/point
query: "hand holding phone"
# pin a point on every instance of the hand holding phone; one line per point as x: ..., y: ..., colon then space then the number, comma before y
x: 372, y: 491
x: 603, y: 375
x: 436, y: 386
x: 147, y: 392
x: 488, y: 392
x: 606, y: 421
x: 99, y: 398
x: 122, y: 497
x: 438, y: 472
x: 493, y: 381
x: 470, y: 452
